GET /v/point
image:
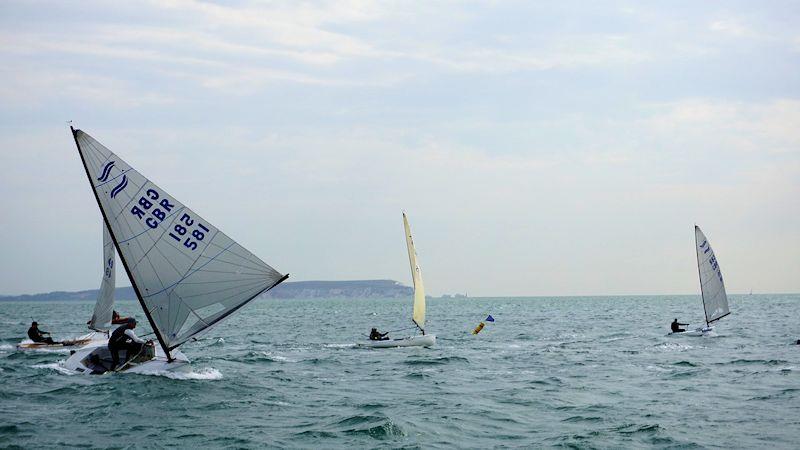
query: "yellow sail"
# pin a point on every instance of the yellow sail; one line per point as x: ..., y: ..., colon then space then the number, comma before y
x: 418, y: 315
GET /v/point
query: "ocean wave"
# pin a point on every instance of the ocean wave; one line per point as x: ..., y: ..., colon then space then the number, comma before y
x: 673, y: 347
x: 437, y: 361
x: 768, y: 362
x: 57, y: 366
x: 376, y: 427
x: 629, y: 429
x: 684, y: 364
x: 208, y: 373
x: 339, y: 345
x: 265, y: 356
x: 5, y: 347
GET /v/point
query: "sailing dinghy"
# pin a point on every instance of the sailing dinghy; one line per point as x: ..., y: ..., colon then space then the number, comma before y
x: 712, y: 288
x: 187, y: 274
x: 103, y: 308
x: 418, y: 312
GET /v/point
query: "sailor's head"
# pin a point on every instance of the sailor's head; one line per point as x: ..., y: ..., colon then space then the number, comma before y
x: 375, y: 329
x: 676, y: 319
x: 34, y: 324
x: 131, y: 323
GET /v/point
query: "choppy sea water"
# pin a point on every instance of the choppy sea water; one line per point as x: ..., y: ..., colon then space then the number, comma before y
x: 594, y: 372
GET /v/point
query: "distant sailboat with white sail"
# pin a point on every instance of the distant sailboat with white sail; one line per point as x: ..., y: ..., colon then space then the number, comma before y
x: 103, y: 308
x: 712, y: 287
x: 187, y: 274
x: 418, y: 310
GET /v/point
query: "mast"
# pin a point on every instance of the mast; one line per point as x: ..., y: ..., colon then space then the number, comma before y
x: 699, y: 277
x: 119, y: 250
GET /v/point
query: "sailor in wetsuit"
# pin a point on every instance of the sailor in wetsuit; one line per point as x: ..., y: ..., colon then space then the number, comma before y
x: 123, y: 338
x: 37, y: 335
x: 676, y: 327
x: 374, y: 335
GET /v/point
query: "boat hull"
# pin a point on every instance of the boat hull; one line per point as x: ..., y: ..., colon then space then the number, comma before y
x: 68, y: 344
x: 698, y: 332
x: 96, y: 359
x: 427, y: 340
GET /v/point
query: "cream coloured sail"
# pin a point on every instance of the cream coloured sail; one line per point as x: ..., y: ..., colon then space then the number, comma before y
x: 712, y: 288
x: 416, y: 274
x: 104, y: 307
x: 187, y: 274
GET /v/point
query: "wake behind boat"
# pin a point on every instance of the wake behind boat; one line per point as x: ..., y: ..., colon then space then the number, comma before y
x: 418, y: 311
x: 187, y: 274
x: 712, y: 287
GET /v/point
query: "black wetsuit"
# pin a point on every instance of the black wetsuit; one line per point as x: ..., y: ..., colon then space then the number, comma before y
x: 377, y: 336
x: 121, y: 341
x: 676, y: 327
x: 37, y: 336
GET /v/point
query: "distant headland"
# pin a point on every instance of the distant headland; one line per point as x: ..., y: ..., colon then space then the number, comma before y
x: 289, y: 289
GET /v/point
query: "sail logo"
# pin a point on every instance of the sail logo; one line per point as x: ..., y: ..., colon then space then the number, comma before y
x: 106, y: 172
x: 122, y: 185
x: 147, y: 208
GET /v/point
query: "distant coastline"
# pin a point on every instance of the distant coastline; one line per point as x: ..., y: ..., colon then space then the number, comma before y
x: 289, y: 289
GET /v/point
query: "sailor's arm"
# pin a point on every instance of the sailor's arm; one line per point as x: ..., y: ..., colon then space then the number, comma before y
x: 133, y: 336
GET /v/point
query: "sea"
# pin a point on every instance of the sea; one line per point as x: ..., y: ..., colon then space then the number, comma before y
x: 573, y: 372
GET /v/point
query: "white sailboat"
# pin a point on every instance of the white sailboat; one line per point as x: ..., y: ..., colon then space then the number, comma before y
x: 418, y: 311
x: 712, y: 287
x: 103, y: 308
x: 187, y: 274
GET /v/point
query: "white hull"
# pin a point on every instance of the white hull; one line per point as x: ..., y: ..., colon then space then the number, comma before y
x: 96, y: 359
x: 67, y: 344
x: 705, y: 331
x: 427, y: 340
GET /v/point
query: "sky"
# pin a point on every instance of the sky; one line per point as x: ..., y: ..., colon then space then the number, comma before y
x: 538, y: 148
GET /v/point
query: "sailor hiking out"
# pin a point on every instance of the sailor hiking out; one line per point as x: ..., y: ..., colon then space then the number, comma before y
x: 124, y: 338
x: 37, y: 335
x: 676, y: 327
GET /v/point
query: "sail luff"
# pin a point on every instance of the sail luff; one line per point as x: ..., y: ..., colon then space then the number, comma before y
x: 104, y: 307
x: 119, y: 250
x: 699, y: 275
x: 418, y: 312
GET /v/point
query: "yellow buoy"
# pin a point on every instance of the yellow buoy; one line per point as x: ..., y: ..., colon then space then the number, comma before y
x: 478, y: 328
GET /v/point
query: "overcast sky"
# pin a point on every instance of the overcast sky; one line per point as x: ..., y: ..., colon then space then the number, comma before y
x: 554, y: 149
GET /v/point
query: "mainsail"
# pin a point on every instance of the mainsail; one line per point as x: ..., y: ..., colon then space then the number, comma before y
x: 103, y: 309
x: 187, y: 274
x: 712, y: 288
x: 418, y: 315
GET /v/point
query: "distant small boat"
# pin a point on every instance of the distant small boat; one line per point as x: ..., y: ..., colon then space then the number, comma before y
x: 187, y: 274
x: 712, y: 287
x: 103, y: 308
x: 418, y: 311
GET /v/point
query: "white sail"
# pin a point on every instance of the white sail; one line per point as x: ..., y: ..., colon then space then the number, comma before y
x: 715, y: 300
x: 418, y: 315
x: 187, y: 274
x: 104, y: 307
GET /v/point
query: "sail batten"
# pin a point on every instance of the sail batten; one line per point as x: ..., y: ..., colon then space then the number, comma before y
x: 165, y: 248
x: 712, y: 286
x: 418, y: 312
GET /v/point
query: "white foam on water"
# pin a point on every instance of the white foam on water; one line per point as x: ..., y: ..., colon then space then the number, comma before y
x: 339, y: 345
x: 209, y: 373
x: 6, y: 347
x: 57, y: 366
x: 786, y: 369
x: 673, y: 347
x: 276, y: 357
